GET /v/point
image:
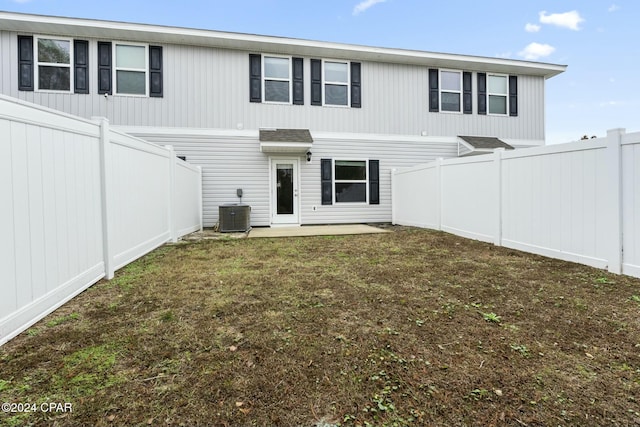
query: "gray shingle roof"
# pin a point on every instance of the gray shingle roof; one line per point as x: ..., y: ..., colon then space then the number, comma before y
x: 285, y: 135
x: 485, y: 142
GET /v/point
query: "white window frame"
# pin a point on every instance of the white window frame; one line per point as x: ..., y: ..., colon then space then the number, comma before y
x: 326, y: 82
x: 277, y: 79
x: 116, y: 68
x: 504, y: 95
x: 441, y: 91
x: 347, y: 181
x: 37, y: 63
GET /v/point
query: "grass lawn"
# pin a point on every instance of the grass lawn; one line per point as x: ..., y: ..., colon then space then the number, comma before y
x: 413, y: 327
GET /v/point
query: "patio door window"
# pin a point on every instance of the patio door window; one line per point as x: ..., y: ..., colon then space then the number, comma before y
x: 284, y: 195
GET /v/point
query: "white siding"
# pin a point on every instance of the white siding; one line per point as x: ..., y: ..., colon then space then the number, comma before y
x: 232, y: 159
x: 209, y: 88
x: 229, y: 160
x: 392, y: 153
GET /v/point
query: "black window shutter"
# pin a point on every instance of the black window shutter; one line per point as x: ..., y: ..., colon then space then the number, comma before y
x: 374, y: 182
x: 467, y: 100
x: 155, y: 71
x: 80, y: 66
x: 434, y: 101
x: 255, y: 78
x: 316, y: 82
x: 25, y: 63
x: 104, y: 68
x: 513, y: 96
x: 298, y: 81
x: 482, y: 93
x: 327, y: 184
x: 356, y: 81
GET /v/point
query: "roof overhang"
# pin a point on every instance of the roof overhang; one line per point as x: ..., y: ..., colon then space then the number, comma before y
x: 77, y: 27
x: 480, y: 145
x: 285, y: 141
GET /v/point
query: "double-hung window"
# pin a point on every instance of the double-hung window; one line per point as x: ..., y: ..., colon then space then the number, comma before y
x: 336, y: 83
x: 350, y: 181
x: 450, y: 90
x: 497, y: 94
x: 54, y: 57
x: 131, y: 65
x: 277, y: 79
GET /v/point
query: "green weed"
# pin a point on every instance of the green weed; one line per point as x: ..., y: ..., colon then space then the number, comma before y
x: 86, y: 371
x: 491, y: 317
x: 520, y: 348
x: 63, y: 319
x: 478, y: 394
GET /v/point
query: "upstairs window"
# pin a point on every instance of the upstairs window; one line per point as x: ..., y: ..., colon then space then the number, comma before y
x: 54, y: 57
x: 277, y: 79
x: 450, y: 91
x: 336, y: 83
x: 130, y: 69
x: 497, y: 92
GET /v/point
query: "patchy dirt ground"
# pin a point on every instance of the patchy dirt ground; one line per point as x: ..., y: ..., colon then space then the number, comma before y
x: 408, y: 328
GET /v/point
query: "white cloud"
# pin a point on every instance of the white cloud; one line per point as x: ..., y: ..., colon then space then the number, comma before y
x: 532, y: 28
x: 535, y: 51
x: 570, y: 20
x: 504, y: 55
x: 613, y: 8
x: 364, y: 5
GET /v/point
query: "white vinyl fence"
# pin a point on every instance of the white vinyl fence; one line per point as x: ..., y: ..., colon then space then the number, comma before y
x: 78, y: 201
x: 578, y: 202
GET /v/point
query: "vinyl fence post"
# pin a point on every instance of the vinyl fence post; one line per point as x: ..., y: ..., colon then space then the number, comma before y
x: 393, y: 196
x: 103, y: 123
x: 614, y: 168
x: 438, y: 201
x: 200, y: 207
x: 173, y: 228
x: 497, y: 158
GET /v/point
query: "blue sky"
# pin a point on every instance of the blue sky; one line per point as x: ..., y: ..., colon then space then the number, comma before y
x: 597, y: 39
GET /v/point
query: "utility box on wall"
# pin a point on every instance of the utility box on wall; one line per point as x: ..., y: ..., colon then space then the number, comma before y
x: 234, y: 218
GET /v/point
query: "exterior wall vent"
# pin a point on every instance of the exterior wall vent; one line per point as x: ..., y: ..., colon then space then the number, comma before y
x: 234, y: 218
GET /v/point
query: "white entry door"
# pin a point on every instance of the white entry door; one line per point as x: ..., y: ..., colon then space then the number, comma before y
x: 284, y: 194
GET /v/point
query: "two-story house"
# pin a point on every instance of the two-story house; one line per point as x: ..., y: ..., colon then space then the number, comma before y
x: 309, y: 130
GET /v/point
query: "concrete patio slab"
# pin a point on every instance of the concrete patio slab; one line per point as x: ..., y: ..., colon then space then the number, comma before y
x: 314, y: 230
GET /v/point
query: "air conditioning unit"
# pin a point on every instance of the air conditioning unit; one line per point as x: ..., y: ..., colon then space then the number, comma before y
x: 234, y: 218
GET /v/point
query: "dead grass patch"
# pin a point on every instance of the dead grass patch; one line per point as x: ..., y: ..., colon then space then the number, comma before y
x: 407, y: 328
